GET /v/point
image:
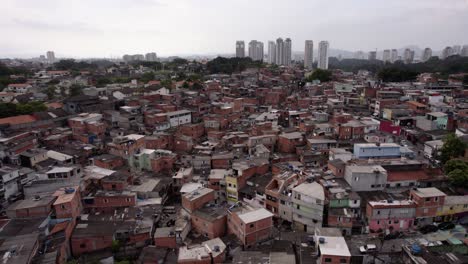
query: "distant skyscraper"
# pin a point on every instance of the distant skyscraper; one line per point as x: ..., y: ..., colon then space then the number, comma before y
x: 427, y: 54
x: 135, y: 57
x: 279, y: 51
x: 464, y: 51
x: 373, y: 55
x: 447, y: 52
x: 50, y: 56
x: 323, y: 55
x: 308, y: 54
x: 394, y: 55
x: 151, y: 56
x: 256, y: 50
x: 456, y: 49
x: 359, y: 55
x: 240, y: 49
x: 386, y: 56
x: 287, y: 52
x: 408, y: 56
x: 271, y: 52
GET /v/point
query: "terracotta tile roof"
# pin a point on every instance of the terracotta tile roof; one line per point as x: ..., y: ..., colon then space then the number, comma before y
x: 54, y: 105
x: 15, y: 120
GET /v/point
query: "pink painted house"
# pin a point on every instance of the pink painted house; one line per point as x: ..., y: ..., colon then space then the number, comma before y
x: 390, y: 215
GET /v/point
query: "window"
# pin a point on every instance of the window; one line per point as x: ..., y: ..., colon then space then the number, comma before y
x: 62, y: 206
x: 298, y: 207
x: 343, y: 260
x: 356, y: 178
x: 389, y: 222
x: 426, y: 210
x: 378, y: 212
x: 378, y: 222
x: 428, y: 199
x: 396, y: 221
x: 106, y: 200
x: 114, y: 186
x: 372, y: 186
x: 82, y: 245
x: 252, y: 225
x: 328, y: 260
x: 129, y: 199
x: 436, y: 199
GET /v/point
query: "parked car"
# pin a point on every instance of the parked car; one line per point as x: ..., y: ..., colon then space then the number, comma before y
x: 446, y: 226
x: 369, y: 248
x: 428, y: 229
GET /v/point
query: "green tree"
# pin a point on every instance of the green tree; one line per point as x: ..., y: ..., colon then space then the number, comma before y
x: 197, y: 86
x: 75, y: 89
x: 459, y: 178
x: 147, y: 76
x: 455, y: 164
x: 50, y: 91
x: 321, y: 75
x: 115, y: 246
x: 453, y: 148
x: 185, y: 85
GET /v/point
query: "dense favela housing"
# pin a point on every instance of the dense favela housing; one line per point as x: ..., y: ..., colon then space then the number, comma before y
x: 231, y: 160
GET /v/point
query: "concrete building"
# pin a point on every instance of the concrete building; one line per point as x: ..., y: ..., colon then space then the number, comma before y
x: 256, y: 50
x: 427, y: 54
x: 279, y: 51
x: 271, y: 52
x: 376, y: 150
x: 366, y: 178
x: 386, y: 57
x: 308, y: 54
x: 287, y: 52
x: 429, y: 201
x: 464, y: 51
x: 250, y: 225
x: 151, y: 56
x: 50, y: 57
x: 323, y: 55
x: 240, y: 49
x: 390, y: 215
x: 372, y: 55
x: 408, y: 56
x: 446, y: 52
x: 394, y: 55
x: 307, y: 201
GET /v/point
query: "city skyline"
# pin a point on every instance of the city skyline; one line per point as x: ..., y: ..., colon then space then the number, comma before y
x: 128, y: 27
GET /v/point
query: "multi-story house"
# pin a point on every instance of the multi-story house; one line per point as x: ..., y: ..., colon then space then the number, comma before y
x: 377, y: 151
x: 366, y: 177
x: 390, y: 215
x: 308, y: 200
x: 429, y: 201
x: 126, y: 146
x: 250, y: 225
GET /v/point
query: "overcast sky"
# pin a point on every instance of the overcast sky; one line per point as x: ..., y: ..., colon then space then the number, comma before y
x: 105, y: 28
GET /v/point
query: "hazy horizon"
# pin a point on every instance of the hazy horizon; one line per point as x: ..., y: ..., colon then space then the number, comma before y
x: 111, y: 28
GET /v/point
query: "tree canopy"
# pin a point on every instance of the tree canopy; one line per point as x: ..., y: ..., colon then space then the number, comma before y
x: 453, y: 148
x: 11, y: 109
x: 321, y: 75
x: 231, y: 65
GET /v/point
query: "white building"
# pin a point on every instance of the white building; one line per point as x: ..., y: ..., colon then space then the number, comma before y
x: 447, y: 52
x: 323, y: 55
x: 256, y: 50
x: 180, y: 117
x: 408, y: 56
x: 308, y: 200
x: 271, y: 52
x: 151, y: 56
x: 240, y: 49
x: 50, y: 57
x: 279, y: 51
x: 427, y: 54
x: 386, y: 57
x: 287, y: 52
x: 308, y: 54
x: 394, y: 55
